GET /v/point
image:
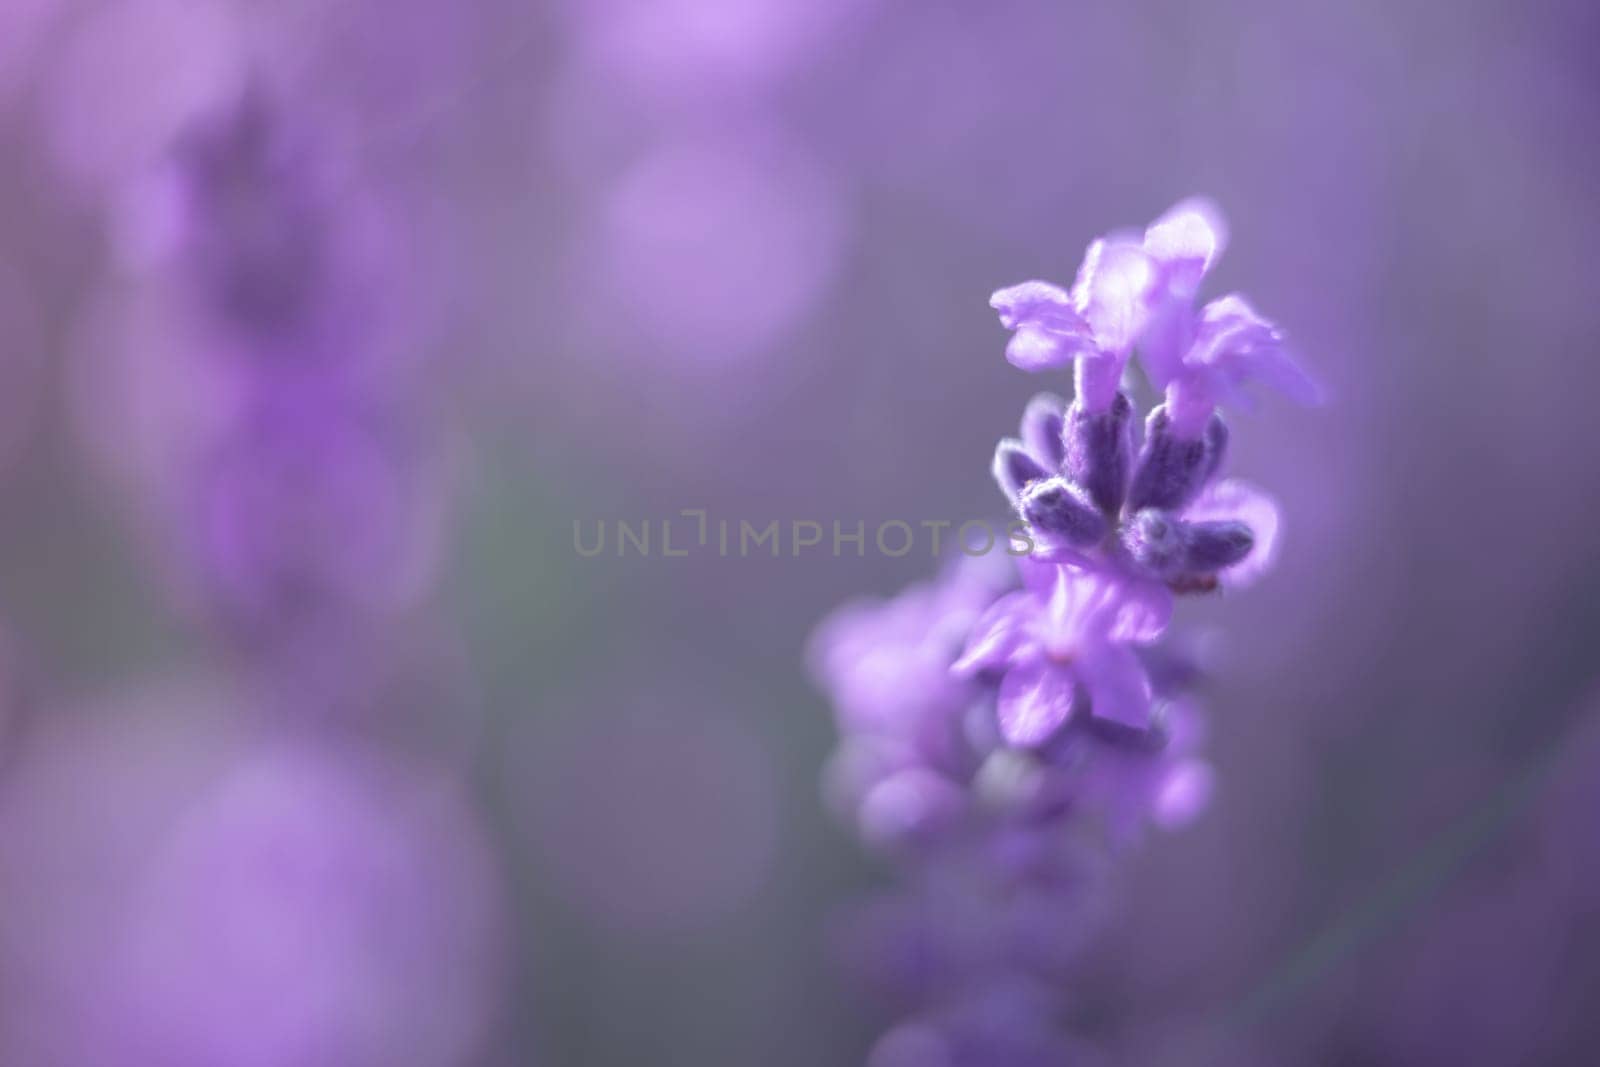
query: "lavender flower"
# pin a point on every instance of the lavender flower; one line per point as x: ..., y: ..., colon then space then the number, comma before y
x: 1162, y: 513
x: 1061, y: 648
x: 1008, y: 739
x: 1139, y: 292
x: 888, y: 666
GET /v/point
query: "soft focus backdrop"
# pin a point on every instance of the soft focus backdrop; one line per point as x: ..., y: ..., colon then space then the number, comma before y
x: 488, y: 801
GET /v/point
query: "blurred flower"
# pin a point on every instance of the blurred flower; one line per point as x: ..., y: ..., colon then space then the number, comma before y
x: 902, y: 711
x: 251, y: 398
x: 707, y: 251
x: 255, y: 230
x: 882, y: 661
x: 131, y: 76
x: 382, y: 74
x: 224, y: 896
x: 311, y: 507
x: 705, y: 46
x: 313, y: 910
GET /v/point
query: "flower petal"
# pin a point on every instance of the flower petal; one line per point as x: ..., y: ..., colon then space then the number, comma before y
x: 1037, y: 303
x: 1050, y: 332
x: 1186, y: 241
x: 997, y: 635
x: 1035, y: 701
x: 1241, y: 347
x: 1119, y: 689
x: 1238, y: 501
x: 1166, y: 337
x: 1042, y: 423
x: 1144, y: 609
x: 1034, y: 349
x: 1114, y: 291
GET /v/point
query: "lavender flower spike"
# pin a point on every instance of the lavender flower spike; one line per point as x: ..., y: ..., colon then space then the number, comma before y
x: 1136, y: 294
x: 1060, y: 730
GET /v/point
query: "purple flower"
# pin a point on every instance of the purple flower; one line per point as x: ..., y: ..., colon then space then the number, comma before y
x: 1097, y: 323
x: 1165, y: 782
x: 257, y: 233
x: 1063, y: 647
x: 309, y: 509
x: 1231, y: 346
x: 1138, y: 293
x: 1050, y: 330
x: 1206, y: 358
x: 886, y: 664
x: 186, y: 886
x: 302, y: 502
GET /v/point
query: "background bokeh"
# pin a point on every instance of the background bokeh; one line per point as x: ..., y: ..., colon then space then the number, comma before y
x: 627, y: 257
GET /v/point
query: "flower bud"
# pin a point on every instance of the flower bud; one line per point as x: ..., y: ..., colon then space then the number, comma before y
x: 1099, y: 446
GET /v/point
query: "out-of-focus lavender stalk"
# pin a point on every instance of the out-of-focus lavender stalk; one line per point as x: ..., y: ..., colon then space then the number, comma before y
x: 1009, y: 728
x: 305, y: 519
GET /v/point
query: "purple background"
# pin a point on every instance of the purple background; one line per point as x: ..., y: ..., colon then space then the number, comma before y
x: 735, y: 255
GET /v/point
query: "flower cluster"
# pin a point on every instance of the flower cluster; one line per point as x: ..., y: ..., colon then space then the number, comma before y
x: 1160, y: 514
x: 1011, y: 726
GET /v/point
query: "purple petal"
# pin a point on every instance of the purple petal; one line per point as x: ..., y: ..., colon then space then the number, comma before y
x: 1035, y: 349
x: 1042, y: 423
x: 1115, y: 287
x: 1085, y: 599
x: 1037, y: 575
x: 998, y: 634
x: 1049, y: 329
x: 1119, y: 689
x: 1035, y: 701
x: 1037, y: 303
x: 1131, y: 609
x: 1186, y: 241
x: 1237, y: 501
x: 1241, y: 347
x: 1144, y: 613
x: 1167, y: 336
